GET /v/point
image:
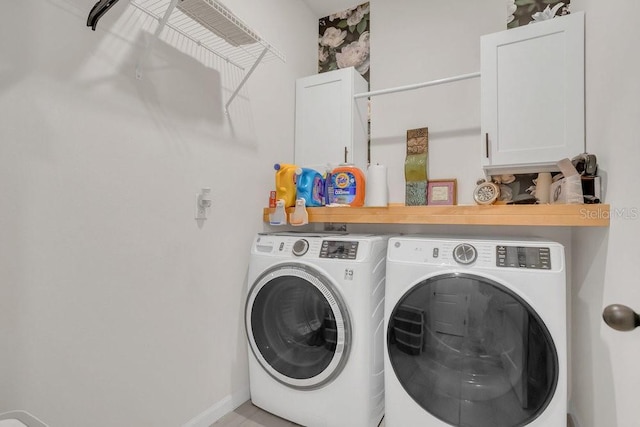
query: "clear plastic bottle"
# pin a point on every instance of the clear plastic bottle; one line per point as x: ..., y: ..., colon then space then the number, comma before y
x: 328, y: 186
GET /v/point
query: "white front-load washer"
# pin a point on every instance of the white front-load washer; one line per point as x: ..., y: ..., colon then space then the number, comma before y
x: 476, y: 333
x: 314, y: 320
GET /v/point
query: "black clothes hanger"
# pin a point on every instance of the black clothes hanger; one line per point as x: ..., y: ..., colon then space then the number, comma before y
x: 97, y: 11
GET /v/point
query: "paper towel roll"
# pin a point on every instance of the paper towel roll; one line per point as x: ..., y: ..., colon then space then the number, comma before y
x: 377, y: 191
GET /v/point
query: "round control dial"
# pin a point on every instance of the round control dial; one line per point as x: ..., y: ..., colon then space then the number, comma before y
x: 300, y: 247
x: 465, y: 254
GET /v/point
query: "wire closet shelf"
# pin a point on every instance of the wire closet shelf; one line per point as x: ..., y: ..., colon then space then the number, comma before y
x: 212, y: 26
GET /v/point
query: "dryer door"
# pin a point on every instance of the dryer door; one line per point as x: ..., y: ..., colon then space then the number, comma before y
x: 471, y: 352
x: 298, y: 326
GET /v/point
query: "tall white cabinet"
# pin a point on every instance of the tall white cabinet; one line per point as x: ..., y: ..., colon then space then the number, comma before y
x: 532, y: 95
x: 330, y: 125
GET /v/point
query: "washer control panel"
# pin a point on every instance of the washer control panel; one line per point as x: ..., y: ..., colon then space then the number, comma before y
x: 340, y: 249
x: 523, y: 257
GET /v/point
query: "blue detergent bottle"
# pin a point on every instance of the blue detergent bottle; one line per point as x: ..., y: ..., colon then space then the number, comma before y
x: 310, y: 187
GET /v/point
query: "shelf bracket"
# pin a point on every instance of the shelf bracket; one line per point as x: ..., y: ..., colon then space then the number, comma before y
x: 244, y: 80
x: 161, y: 24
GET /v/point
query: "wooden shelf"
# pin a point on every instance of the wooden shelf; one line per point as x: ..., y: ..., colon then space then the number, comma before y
x: 527, y: 215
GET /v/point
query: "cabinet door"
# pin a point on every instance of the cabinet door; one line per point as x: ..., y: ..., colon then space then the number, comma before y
x: 330, y: 125
x: 533, y: 95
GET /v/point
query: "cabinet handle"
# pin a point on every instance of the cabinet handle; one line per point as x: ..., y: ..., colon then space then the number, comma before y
x: 346, y: 152
x: 486, y: 145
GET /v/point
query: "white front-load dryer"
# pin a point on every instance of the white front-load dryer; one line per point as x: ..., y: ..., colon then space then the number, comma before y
x: 314, y: 320
x: 476, y: 333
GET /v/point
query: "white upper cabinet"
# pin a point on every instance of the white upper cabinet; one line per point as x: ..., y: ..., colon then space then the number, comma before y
x: 331, y: 127
x: 532, y: 90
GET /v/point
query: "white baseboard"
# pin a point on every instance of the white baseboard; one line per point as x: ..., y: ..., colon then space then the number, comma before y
x: 219, y: 409
x: 575, y: 422
x: 23, y: 417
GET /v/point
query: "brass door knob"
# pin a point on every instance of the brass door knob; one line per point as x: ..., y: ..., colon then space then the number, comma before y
x: 620, y: 317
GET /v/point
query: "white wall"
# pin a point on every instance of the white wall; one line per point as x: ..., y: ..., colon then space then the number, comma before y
x: 117, y: 307
x: 417, y: 42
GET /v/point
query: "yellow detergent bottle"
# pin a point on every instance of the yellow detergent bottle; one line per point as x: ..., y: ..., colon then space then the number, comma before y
x: 286, y: 183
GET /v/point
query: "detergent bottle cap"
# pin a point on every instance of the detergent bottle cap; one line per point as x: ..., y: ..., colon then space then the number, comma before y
x: 299, y: 171
x: 277, y: 166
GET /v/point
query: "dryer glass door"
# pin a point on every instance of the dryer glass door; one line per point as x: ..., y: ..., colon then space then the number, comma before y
x: 298, y: 326
x: 471, y: 352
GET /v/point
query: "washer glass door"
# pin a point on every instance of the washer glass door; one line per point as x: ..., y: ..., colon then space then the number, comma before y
x: 471, y: 352
x: 298, y: 326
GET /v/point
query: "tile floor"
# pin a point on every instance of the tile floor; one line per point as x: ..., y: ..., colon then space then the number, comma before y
x: 248, y: 415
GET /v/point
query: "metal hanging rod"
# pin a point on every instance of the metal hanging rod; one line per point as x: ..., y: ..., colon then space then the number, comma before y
x: 416, y: 85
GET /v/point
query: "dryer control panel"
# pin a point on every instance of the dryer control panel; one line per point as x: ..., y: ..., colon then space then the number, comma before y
x: 502, y: 254
x: 523, y: 257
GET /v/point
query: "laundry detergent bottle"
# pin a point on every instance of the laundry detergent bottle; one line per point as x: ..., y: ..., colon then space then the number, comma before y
x: 328, y: 186
x: 286, y: 183
x: 348, y: 185
x: 310, y: 187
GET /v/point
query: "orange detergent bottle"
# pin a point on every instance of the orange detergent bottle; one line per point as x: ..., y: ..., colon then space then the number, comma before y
x: 286, y: 183
x: 348, y: 186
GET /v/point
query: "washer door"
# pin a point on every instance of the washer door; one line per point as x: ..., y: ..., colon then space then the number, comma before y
x: 471, y: 352
x: 298, y: 326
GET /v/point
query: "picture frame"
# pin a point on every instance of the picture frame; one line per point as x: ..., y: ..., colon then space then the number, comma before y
x: 442, y: 192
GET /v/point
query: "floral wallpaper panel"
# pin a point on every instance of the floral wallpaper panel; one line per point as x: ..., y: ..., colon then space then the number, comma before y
x: 523, y: 12
x: 344, y: 40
